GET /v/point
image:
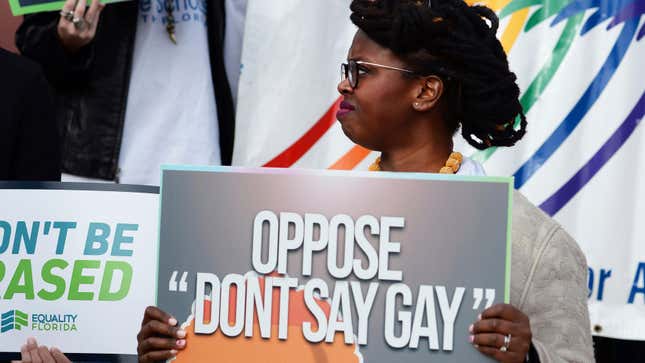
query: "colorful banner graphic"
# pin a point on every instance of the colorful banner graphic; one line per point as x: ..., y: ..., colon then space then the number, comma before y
x: 22, y: 7
x: 77, y: 267
x: 579, y: 69
x: 280, y: 265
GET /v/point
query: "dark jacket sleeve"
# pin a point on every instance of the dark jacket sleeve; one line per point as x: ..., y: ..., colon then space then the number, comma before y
x: 37, y: 38
x: 225, y: 106
x: 37, y: 154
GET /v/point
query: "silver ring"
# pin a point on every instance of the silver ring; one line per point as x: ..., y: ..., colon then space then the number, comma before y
x: 507, y: 343
x: 67, y: 15
x: 78, y: 23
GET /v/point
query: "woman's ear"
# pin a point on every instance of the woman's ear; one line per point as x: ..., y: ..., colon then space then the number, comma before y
x: 430, y: 91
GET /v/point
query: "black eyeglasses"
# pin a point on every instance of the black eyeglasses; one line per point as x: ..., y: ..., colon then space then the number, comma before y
x: 349, y: 71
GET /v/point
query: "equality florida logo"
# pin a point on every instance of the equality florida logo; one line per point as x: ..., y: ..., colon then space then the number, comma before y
x: 18, y: 320
x: 13, y: 319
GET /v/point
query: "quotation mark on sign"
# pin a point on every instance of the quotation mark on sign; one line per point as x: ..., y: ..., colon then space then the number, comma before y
x: 478, y: 295
x: 183, y: 285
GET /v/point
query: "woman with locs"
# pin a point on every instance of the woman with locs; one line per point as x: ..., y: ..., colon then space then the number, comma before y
x: 417, y: 73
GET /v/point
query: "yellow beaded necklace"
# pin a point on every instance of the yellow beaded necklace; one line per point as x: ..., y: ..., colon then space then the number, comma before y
x: 452, y: 164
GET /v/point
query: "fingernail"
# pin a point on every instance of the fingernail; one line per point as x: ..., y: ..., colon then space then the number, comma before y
x: 172, y: 321
x: 181, y: 333
x: 31, y: 340
x: 471, y: 338
x: 181, y: 342
x: 476, y: 345
x: 173, y: 352
x: 479, y: 317
x: 471, y: 328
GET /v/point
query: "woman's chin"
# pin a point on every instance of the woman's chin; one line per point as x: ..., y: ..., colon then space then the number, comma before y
x: 347, y: 130
x: 353, y: 135
x: 357, y: 135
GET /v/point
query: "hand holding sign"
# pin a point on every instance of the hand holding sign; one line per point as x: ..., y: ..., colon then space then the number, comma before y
x: 32, y: 352
x: 77, y: 27
x: 496, y: 323
x: 159, y: 337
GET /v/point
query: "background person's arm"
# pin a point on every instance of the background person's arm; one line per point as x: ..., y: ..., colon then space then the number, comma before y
x: 37, y: 148
x: 63, y: 49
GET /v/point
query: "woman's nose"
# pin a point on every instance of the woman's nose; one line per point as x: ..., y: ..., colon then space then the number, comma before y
x: 344, y: 87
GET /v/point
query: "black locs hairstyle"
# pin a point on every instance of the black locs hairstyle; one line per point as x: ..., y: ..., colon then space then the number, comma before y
x: 452, y: 40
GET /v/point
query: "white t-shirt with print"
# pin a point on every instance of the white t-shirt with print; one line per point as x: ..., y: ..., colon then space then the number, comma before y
x: 235, y: 18
x: 171, y: 114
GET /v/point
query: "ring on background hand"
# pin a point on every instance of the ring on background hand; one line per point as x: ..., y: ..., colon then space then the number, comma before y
x: 78, y: 23
x: 67, y: 15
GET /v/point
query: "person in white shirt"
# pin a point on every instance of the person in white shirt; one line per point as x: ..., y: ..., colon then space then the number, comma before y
x: 140, y: 83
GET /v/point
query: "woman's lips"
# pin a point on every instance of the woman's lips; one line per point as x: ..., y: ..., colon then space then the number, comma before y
x: 345, y: 108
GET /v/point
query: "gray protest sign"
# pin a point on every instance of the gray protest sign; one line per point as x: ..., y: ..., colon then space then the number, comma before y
x: 284, y: 265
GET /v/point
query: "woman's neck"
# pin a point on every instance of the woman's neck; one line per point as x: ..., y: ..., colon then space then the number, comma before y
x: 429, y: 156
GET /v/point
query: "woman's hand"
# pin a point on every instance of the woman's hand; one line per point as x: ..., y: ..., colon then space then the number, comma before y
x: 159, y: 338
x: 77, y: 27
x: 496, y: 326
x: 32, y: 353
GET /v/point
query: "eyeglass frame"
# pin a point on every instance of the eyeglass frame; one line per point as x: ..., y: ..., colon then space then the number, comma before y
x: 345, y: 68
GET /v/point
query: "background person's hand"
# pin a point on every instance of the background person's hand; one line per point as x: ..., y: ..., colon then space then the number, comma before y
x: 497, y: 322
x: 159, y: 337
x: 33, y: 353
x: 77, y: 24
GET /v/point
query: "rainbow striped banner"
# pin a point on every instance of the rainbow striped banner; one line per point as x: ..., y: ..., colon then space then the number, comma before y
x: 579, y: 64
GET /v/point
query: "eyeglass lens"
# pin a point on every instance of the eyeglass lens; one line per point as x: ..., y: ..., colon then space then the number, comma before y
x: 349, y: 72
